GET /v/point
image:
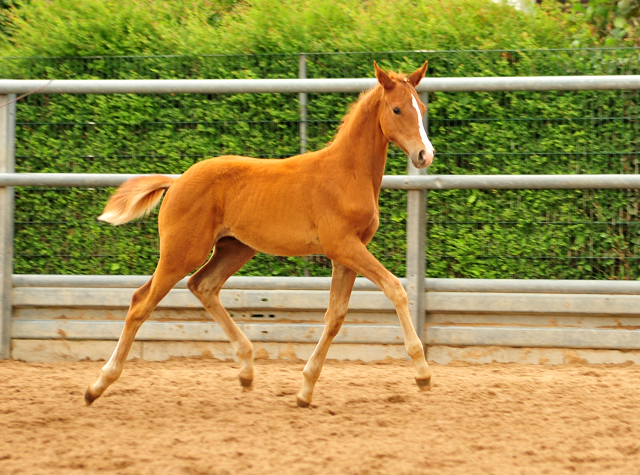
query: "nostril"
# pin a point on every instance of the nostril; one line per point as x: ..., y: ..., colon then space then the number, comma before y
x: 421, y: 155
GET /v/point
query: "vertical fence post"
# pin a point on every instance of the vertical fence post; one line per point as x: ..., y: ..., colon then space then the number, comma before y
x: 303, y: 99
x: 7, y: 165
x: 416, y: 240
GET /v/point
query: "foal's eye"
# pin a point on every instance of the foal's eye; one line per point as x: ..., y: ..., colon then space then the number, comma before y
x: 396, y: 110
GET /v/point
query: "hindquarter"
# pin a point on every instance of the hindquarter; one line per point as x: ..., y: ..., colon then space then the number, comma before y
x: 189, y: 221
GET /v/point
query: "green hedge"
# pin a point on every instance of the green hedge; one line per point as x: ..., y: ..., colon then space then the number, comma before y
x: 494, y: 233
x: 67, y: 28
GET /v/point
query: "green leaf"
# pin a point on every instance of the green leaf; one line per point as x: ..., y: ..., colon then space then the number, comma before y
x: 620, y: 22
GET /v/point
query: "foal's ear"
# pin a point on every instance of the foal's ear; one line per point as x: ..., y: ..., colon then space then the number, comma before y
x: 383, y: 78
x: 416, y: 76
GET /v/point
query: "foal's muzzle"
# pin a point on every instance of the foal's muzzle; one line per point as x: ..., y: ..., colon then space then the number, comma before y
x: 422, y: 158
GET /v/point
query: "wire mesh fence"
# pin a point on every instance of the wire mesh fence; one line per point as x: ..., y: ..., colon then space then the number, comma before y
x: 471, y: 233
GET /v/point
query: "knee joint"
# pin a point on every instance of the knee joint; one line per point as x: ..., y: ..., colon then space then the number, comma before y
x: 393, y: 288
x: 399, y: 295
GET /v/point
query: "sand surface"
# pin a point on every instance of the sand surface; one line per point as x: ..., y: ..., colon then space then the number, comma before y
x: 191, y: 416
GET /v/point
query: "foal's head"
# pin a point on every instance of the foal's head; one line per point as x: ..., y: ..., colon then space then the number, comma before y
x: 401, y: 115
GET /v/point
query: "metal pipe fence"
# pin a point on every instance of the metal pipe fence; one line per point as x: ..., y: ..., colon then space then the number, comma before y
x: 307, y: 86
x: 389, y: 182
x: 414, y: 182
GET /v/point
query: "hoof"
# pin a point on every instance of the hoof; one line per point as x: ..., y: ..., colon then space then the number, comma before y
x: 89, y: 398
x: 245, y: 383
x: 302, y: 403
x: 424, y: 384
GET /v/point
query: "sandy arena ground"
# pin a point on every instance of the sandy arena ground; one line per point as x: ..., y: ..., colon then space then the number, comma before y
x: 191, y: 416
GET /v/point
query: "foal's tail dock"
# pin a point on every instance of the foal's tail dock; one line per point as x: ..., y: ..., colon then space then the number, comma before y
x: 135, y: 198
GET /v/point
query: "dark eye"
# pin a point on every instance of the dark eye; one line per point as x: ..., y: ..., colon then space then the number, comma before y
x: 396, y: 110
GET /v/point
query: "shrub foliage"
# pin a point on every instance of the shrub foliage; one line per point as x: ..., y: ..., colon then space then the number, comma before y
x: 494, y: 233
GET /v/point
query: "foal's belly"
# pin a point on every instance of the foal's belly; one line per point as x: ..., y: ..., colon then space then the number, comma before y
x: 279, y: 244
x: 273, y: 236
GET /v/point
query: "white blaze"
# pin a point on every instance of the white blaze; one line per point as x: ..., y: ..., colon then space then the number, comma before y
x: 423, y: 133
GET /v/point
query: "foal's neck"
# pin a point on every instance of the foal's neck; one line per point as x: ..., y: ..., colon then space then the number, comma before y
x: 360, y: 145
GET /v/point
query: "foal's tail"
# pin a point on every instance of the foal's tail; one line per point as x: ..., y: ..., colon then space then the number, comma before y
x: 135, y: 198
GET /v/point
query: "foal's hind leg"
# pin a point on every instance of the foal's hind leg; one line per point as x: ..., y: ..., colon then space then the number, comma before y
x: 143, y: 302
x: 342, y: 280
x: 354, y: 254
x: 228, y: 257
x: 183, y: 247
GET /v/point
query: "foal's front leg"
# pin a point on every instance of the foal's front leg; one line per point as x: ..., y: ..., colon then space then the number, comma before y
x: 355, y: 255
x: 341, y: 285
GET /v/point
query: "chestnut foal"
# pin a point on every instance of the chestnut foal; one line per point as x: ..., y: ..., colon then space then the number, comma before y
x: 323, y: 202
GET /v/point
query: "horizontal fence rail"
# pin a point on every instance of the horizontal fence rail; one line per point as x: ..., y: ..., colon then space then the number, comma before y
x: 256, y: 86
x: 310, y: 333
x: 207, y: 331
x: 620, y: 287
x: 359, y: 334
x: 535, y: 337
x: 510, y: 182
x: 389, y: 182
